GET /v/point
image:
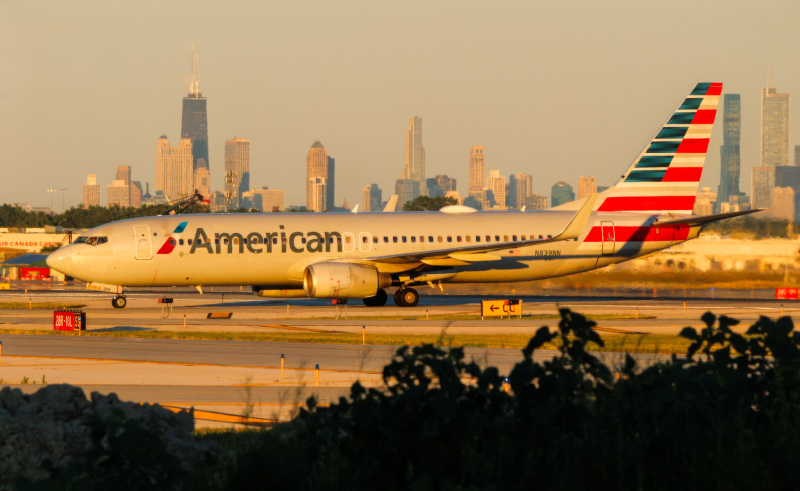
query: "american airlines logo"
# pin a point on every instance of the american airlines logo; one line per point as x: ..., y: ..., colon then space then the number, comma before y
x: 257, y: 243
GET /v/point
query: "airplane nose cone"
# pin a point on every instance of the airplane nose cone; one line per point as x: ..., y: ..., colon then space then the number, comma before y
x: 60, y: 261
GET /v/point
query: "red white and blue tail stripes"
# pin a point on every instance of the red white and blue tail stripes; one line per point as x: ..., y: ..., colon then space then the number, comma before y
x: 665, y: 176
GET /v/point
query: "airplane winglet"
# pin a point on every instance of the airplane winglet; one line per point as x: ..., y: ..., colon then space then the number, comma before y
x: 576, y: 226
x: 391, y: 204
x: 354, y: 210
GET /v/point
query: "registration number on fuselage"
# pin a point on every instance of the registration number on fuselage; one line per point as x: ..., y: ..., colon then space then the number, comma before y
x: 546, y: 252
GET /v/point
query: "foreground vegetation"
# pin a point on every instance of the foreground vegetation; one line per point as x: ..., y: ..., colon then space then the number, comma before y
x: 40, y: 305
x: 726, y: 416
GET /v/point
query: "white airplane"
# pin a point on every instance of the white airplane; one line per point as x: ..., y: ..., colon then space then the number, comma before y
x: 359, y: 255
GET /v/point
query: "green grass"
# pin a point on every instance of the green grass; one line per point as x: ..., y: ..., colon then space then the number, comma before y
x: 39, y: 305
x: 631, y: 343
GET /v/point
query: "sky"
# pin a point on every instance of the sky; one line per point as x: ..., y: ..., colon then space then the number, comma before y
x: 558, y: 90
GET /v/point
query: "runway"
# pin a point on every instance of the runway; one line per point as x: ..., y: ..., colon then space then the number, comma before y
x: 230, y: 382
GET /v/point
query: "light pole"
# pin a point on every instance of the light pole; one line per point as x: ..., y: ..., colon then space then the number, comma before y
x: 50, y: 192
x: 63, y: 208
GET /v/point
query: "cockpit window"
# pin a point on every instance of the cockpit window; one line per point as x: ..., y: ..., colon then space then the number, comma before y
x: 92, y: 241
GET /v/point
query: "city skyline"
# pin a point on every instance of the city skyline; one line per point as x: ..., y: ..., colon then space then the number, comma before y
x: 506, y: 105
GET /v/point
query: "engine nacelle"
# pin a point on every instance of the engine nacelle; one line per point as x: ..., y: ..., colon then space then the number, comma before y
x: 343, y: 280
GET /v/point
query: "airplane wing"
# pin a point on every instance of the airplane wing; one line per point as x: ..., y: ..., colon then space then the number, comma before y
x: 701, y: 219
x: 456, y: 256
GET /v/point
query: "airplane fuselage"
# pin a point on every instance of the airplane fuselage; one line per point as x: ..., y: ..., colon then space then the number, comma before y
x: 272, y: 250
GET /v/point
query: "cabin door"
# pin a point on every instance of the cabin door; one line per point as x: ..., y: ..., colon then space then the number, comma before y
x: 144, y: 243
x: 608, y: 238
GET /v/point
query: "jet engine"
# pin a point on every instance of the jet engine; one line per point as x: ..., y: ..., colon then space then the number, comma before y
x: 343, y: 280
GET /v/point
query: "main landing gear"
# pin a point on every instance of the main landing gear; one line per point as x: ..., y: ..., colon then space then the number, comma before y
x: 379, y: 300
x: 119, y: 302
x: 406, y: 297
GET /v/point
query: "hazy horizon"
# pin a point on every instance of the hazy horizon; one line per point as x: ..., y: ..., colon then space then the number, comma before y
x: 558, y: 91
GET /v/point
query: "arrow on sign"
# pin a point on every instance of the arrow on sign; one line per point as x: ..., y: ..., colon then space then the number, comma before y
x: 493, y: 308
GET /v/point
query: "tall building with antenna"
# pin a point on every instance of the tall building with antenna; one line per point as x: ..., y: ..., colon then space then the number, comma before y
x: 194, y: 124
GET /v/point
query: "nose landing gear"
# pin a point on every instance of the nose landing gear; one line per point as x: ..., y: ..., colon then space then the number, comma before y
x: 406, y: 297
x: 119, y: 302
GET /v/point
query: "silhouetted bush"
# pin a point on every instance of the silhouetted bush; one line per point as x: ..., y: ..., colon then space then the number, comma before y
x: 724, y: 417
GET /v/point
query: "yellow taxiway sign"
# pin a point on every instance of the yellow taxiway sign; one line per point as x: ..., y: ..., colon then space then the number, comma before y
x: 499, y: 308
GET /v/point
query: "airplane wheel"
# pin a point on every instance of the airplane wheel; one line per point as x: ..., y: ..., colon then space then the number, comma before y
x: 397, y: 298
x: 379, y: 300
x: 119, y: 302
x: 408, y: 297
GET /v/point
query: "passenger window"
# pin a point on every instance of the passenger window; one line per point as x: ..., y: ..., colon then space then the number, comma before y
x: 488, y: 238
x: 374, y: 240
x: 172, y: 241
x: 468, y: 238
x: 497, y: 238
x: 449, y: 239
x: 440, y: 239
x: 514, y: 238
x: 189, y: 241
x: 477, y: 238
x: 275, y: 240
x: 339, y: 240
x: 430, y: 238
x: 413, y: 238
x: 505, y: 238
x: 540, y: 237
x: 394, y: 239
x: 255, y: 240
x: 549, y: 236
x: 180, y: 242
x: 235, y: 241
x: 458, y: 238
x: 347, y: 240
x: 364, y: 239
x: 303, y: 240
x: 283, y: 240
x: 386, y: 239
x: 208, y: 241
x: 404, y: 239
x: 216, y: 241
x: 422, y: 238
x: 523, y: 237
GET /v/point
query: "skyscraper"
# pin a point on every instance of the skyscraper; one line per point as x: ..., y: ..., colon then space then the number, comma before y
x: 319, y: 193
x: 414, y: 167
x: 730, y: 158
x: 194, y: 124
x: 174, y: 176
x: 118, y: 193
x: 561, y: 193
x: 774, y: 128
x: 316, y: 166
x: 237, y: 159
x: 477, y: 172
x: 762, y: 183
x: 497, y: 185
x: 269, y: 200
x: 202, y: 181
x: 91, y: 192
x: 124, y: 174
x: 331, y: 191
x: 782, y: 203
x: 135, y: 192
x: 373, y: 198
x: 406, y: 190
x: 586, y: 187
x: 536, y: 202
x: 520, y: 186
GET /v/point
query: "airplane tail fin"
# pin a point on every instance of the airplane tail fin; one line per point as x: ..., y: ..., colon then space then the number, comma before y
x: 665, y: 176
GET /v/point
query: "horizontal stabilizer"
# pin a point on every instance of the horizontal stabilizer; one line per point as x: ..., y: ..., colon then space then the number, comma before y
x: 391, y: 204
x: 701, y: 219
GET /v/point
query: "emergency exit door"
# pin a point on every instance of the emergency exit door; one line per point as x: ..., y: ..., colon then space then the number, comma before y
x: 608, y: 237
x: 144, y: 243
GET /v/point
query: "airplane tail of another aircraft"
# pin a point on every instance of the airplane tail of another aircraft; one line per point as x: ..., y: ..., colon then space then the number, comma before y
x: 665, y: 176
